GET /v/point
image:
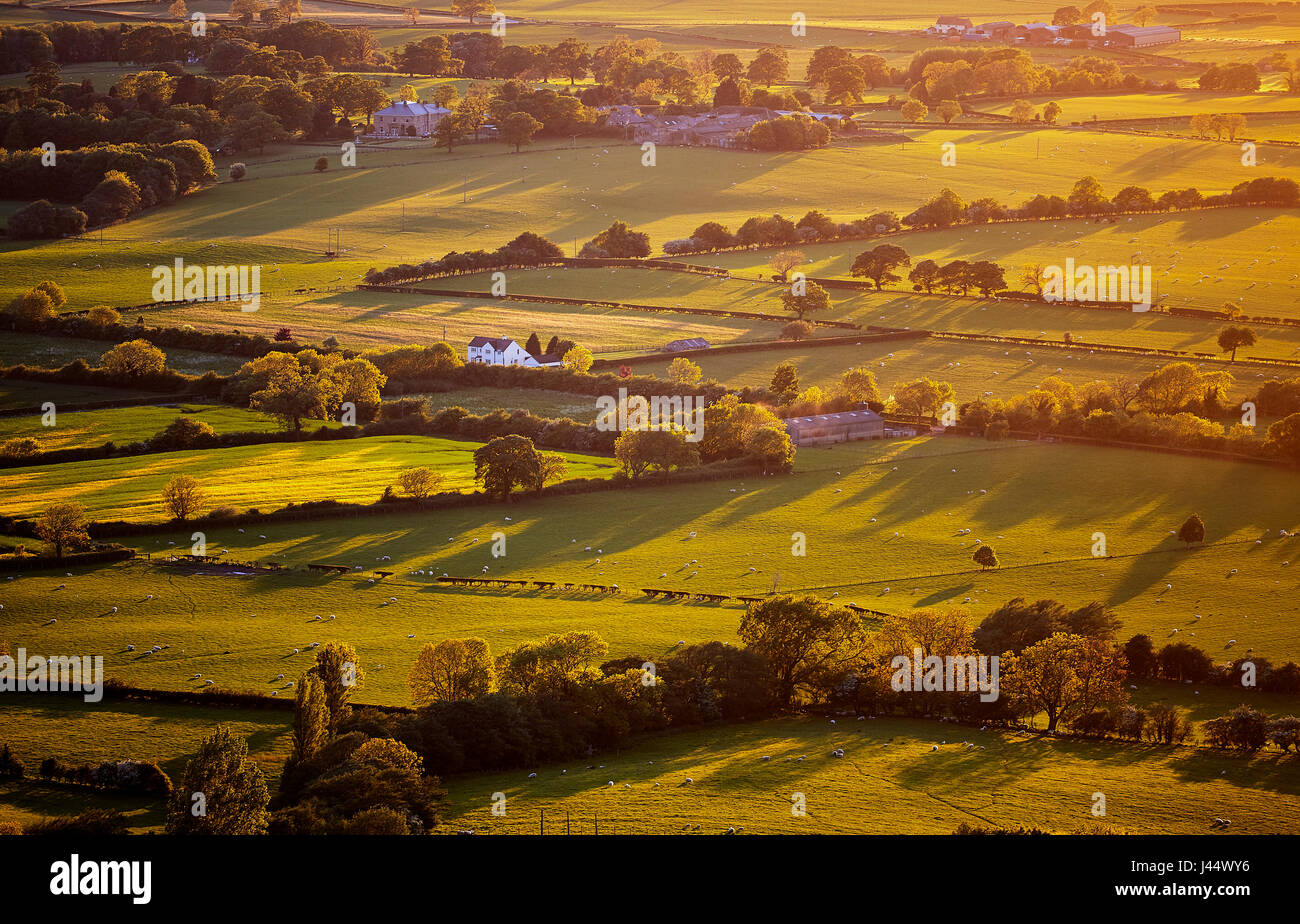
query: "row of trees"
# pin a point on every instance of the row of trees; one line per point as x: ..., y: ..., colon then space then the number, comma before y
x: 946, y: 209
x: 1175, y: 405
x: 108, y: 183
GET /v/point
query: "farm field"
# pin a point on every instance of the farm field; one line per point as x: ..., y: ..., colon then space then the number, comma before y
x: 687, y: 187
x: 848, y: 500
x: 364, y: 319
x: 136, y: 424
x: 889, y: 782
x: 581, y: 408
x: 1107, y: 106
x: 263, y: 476
x: 52, y: 352
x: 18, y: 394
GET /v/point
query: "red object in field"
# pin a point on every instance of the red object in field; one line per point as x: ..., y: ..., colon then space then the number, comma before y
x: 624, y: 371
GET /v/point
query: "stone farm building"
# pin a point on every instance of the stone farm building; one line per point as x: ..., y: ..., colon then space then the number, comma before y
x: 717, y: 128
x: 1141, y: 36
x: 688, y: 343
x: 403, y: 119
x: 502, y: 351
x: 835, y: 428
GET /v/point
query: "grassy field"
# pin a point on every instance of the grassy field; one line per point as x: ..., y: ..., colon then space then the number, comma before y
x: 134, y: 424
x: 890, y: 781
x: 259, y: 476
x: 40, y: 350
x: 361, y: 319
x: 1107, y: 106
x: 849, y: 500
x: 21, y: 393
x: 542, y: 403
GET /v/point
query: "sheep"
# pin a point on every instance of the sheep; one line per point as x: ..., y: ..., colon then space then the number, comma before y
x: 532, y: 776
x: 208, y: 683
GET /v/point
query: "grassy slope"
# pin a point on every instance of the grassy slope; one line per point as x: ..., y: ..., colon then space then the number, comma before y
x: 1043, y: 506
x: 260, y: 476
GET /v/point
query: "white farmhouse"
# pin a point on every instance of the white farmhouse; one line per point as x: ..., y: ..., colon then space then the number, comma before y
x: 502, y: 351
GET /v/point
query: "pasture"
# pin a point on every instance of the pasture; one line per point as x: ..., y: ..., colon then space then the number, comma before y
x: 261, y: 476
x: 848, y: 500
x: 889, y: 781
x: 135, y: 424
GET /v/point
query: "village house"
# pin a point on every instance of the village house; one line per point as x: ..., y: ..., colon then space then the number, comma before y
x: 406, y: 119
x: 950, y: 25
x: 502, y: 351
x: 821, y: 429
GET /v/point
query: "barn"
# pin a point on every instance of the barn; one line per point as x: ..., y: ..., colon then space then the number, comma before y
x: 1142, y: 36
x: 835, y: 428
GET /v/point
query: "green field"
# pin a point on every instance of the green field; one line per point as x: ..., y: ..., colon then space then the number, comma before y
x: 264, y: 476
x: 889, y: 782
x: 25, y: 394
x: 1043, y: 506
x: 52, y: 352
x: 135, y: 424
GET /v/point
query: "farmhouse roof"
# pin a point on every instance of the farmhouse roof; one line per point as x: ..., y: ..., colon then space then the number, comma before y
x: 500, y: 344
x: 404, y: 108
x: 1136, y: 31
x: 687, y: 343
x: 844, y: 417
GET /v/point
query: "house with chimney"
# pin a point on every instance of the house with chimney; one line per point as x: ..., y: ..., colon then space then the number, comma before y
x: 502, y: 351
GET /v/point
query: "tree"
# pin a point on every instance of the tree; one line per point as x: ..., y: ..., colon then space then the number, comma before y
x: 572, y: 59
x: 1192, y: 530
x: 577, y: 359
x: 914, y: 110
x: 182, y: 496
x: 507, y: 462
x: 985, y: 557
x: 534, y: 345
x: 1087, y: 198
x: 1065, y: 677
x: 472, y: 8
x: 1051, y: 112
x: 640, y: 451
x: 134, y: 359
x: 804, y: 640
x: 419, y: 483
x: 518, y: 129
x: 178, y: 10
x: 1140, y: 657
x: 924, y: 275
x: 728, y: 66
x: 785, y: 261
x: 846, y: 83
x: 292, y: 395
x: 859, y: 385
x: 1233, y: 338
x: 813, y: 300
x: 339, y: 671
x: 1144, y: 14
x: 322, y: 164
x: 619, y: 240
x: 1022, y: 110
x: 1283, y: 438
x: 879, y: 263
x: 32, y: 308
x: 784, y: 387
x: 553, y: 665
x: 797, y: 330
x: 63, y: 526
x: 771, y: 65
x: 922, y: 397
x: 245, y: 11
x: 948, y: 110
x: 681, y: 371
x: 221, y: 792
x: 450, y: 129
x: 310, y: 719
x: 451, y: 670
x: 238, y: 171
